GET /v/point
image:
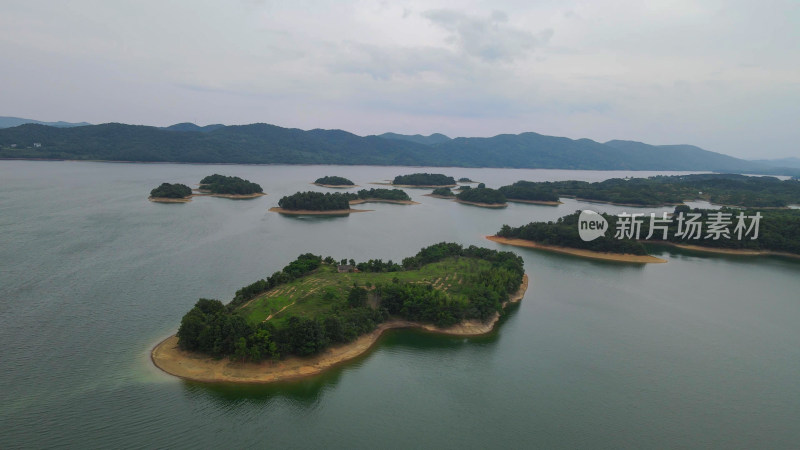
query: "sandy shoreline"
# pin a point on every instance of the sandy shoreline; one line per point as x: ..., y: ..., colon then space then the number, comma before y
x: 535, y: 202
x: 307, y: 212
x: 191, y: 366
x: 382, y: 200
x: 723, y: 251
x: 618, y: 257
x: 170, y: 200
x: 453, y: 197
x: 482, y: 205
x: 420, y: 186
x: 336, y: 186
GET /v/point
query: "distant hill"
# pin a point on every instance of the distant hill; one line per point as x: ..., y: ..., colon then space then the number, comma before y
x: 780, y: 162
x: 8, y: 122
x: 435, y: 138
x: 188, y: 126
x: 262, y: 143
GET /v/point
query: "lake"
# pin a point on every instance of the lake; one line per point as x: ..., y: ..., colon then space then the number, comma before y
x: 703, y: 351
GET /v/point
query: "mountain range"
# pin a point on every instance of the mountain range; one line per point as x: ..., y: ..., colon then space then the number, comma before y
x: 269, y: 144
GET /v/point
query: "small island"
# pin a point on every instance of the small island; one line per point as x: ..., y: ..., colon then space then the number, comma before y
x: 444, y: 192
x: 562, y: 236
x: 334, y: 182
x: 171, y: 193
x: 318, y: 312
x: 530, y: 192
x: 482, y: 196
x: 316, y: 203
x: 229, y: 187
x: 423, y: 180
x: 396, y: 196
x: 465, y: 180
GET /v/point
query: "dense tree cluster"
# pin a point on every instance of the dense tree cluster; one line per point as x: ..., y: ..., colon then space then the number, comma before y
x: 216, y: 329
x: 334, y: 181
x: 482, y: 195
x: 725, y: 189
x: 464, y: 180
x: 424, y: 179
x: 167, y: 190
x: 221, y: 184
x: 316, y: 201
x: 528, y: 190
x: 564, y: 232
x: 384, y: 194
x: 444, y: 192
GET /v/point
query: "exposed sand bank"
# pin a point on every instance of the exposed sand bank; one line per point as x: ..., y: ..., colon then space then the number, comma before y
x: 170, y: 200
x: 336, y: 186
x: 482, y: 205
x: 619, y: 257
x: 535, y: 202
x: 169, y: 358
x: 724, y: 251
x: 420, y: 186
x: 382, y: 200
x: 308, y: 212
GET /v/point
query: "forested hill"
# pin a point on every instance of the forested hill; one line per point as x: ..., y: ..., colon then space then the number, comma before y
x: 265, y: 144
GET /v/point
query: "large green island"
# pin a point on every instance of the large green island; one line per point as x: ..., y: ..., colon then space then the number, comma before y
x: 171, y: 193
x: 333, y: 181
x: 316, y: 313
x: 423, y: 180
x: 229, y: 187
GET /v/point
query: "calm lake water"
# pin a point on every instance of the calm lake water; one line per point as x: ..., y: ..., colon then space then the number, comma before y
x: 701, y: 352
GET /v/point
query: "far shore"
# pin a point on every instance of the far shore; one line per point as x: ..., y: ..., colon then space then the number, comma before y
x: 382, y: 200
x: 336, y: 186
x: 618, y: 257
x: 482, y: 205
x: 308, y: 212
x: 170, y: 200
x: 536, y: 202
x: 192, y: 366
x: 723, y: 251
x: 420, y: 186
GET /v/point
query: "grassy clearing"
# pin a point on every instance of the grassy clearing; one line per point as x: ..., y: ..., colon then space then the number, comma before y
x: 325, y: 289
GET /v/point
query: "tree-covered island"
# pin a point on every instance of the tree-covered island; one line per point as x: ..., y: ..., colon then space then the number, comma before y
x: 424, y: 180
x: 230, y: 187
x: 775, y: 231
x: 171, y: 193
x: 722, y: 189
x: 334, y: 182
x: 315, y: 312
x: 482, y: 196
x: 337, y: 203
x: 444, y: 192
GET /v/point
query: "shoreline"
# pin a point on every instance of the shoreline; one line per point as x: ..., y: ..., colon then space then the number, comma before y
x: 308, y: 212
x: 170, y: 200
x: 617, y: 257
x: 536, y: 202
x: 440, y: 196
x: 419, y: 186
x: 336, y: 186
x: 382, y: 200
x: 191, y: 366
x: 205, y: 193
x: 723, y: 251
x: 482, y: 205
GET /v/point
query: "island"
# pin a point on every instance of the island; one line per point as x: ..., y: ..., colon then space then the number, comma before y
x: 444, y: 192
x: 229, y: 187
x: 334, y: 182
x: 396, y: 196
x: 530, y: 192
x: 721, y: 189
x: 316, y: 203
x: 318, y: 312
x: 562, y: 236
x: 465, y: 180
x: 171, y: 193
x: 423, y: 180
x: 482, y: 196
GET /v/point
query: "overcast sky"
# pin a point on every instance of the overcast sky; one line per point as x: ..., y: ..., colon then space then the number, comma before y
x: 724, y: 75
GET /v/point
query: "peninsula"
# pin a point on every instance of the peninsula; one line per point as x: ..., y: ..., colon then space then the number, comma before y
x: 317, y: 313
x: 481, y: 196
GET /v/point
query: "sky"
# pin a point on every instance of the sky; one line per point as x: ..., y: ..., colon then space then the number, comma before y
x: 723, y: 75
